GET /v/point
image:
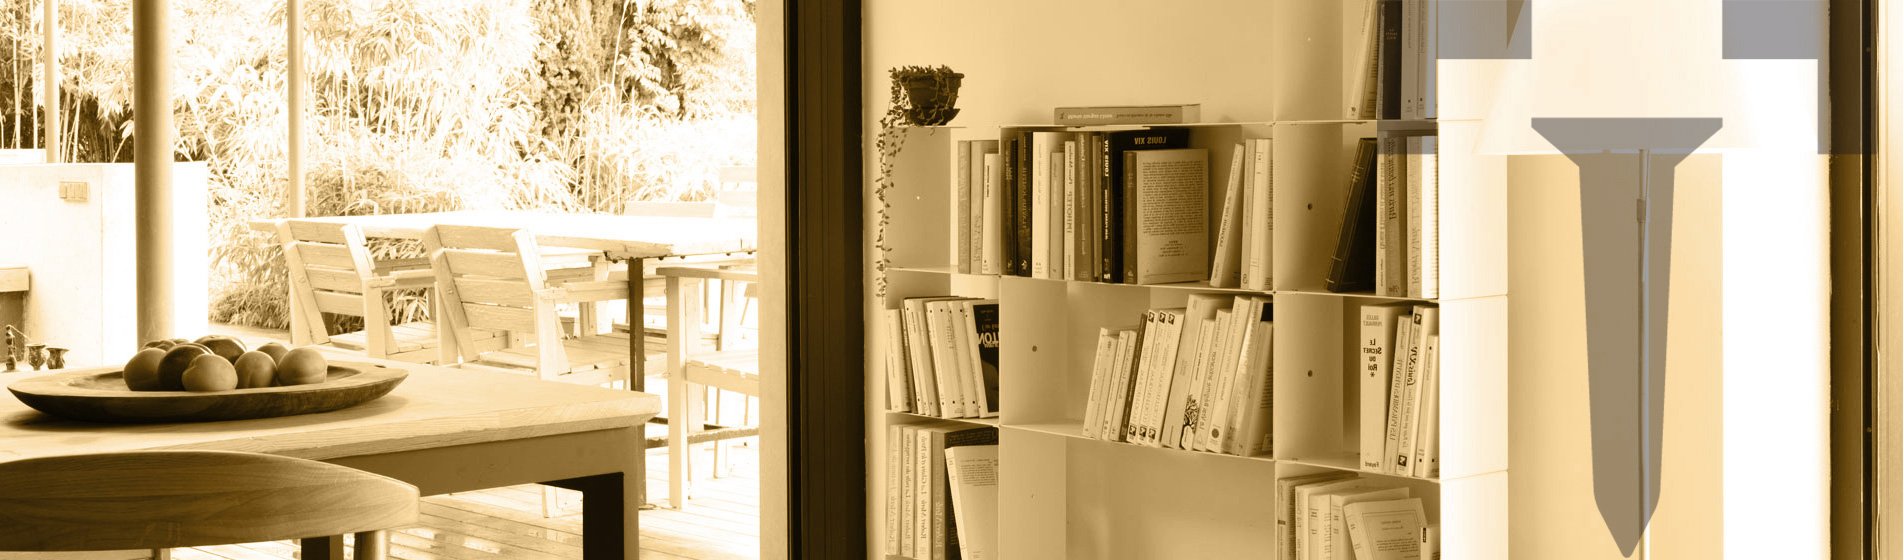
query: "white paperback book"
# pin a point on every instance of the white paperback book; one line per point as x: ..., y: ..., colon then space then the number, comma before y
x: 1387, y: 529
x: 1251, y: 401
x: 1251, y: 220
x: 1427, y: 438
x: 962, y: 224
x: 1414, y: 208
x: 1054, y: 237
x: 1428, y: 328
x: 1099, y: 380
x: 1042, y: 144
x: 898, y: 381
x: 974, y: 165
x: 1309, y: 520
x: 1429, y: 254
x: 1182, y: 389
x: 1228, y: 363
x: 1069, y: 211
x: 973, y: 475
x: 893, y: 478
x: 1162, y: 374
x: 908, y: 489
x: 1397, y: 391
x: 1360, y: 98
x: 1336, y: 542
x: 1115, y: 418
x: 1262, y: 243
x: 951, y: 385
x: 1285, y: 507
x: 1373, y: 365
x: 965, y: 346
x: 1225, y: 271
x: 994, y: 213
x: 1212, y: 375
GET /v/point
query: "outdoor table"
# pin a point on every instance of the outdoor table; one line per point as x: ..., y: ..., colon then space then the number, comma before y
x: 442, y: 430
x: 633, y: 239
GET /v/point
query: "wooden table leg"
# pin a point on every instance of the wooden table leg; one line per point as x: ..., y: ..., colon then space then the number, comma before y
x: 609, y: 529
x: 322, y: 548
x: 638, y: 371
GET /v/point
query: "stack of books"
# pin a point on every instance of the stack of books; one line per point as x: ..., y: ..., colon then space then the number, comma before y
x: 1399, y: 370
x: 942, y: 357
x: 941, y: 491
x: 1340, y: 516
x: 1389, y: 240
x: 1398, y: 53
x: 1193, y: 378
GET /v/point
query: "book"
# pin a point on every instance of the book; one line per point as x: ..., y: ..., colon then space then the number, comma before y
x: 1430, y: 72
x: 1128, y: 114
x: 1390, y: 246
x: 1245, y: 221
x: 1042, y: 144
x: 976, y: 167
x: 1026, y: 171
x: 1397, y: 391
x: 919, y: 346
x: 1388, y: 55
x: 894, y: 476
x: 898, y: 378
x: 1285, y: 507
x: 945, y: 352
x: 1410, y: 60
x: 1430, y: 542
x: 1426, y: 260
x: 972, y: 473
x: 1415, y: 206
x: 1055, y: 235
x: 1262, y: 201
x: 1162, y: 373
x: 1427, y: 438
x: 965, y: 348
x: 1426, y: 329
x: 1091, y: 183
x: 1183, y: 403
x: 1008, y: 204
x: 1387, y: 529
x: 1118, y: 208
x: 1217, y: 330
x: 1374, y: 364
x: 908, y: 490
x: 1225, y: 269
x: 1069, y: 271
x: 961, y: 222
x: 1138, y: 430
x: 1117, y: 417
x: 934, y: 521
x: 993, y: 255
x: 1361, y: 93
x: 1100, y: 366
x: 1252, y: 400
x: 1336, y: 542
x: 1228, y: 362
x: 1351, y: 269
x: 985, y: 321
x: 1309, y: 521
x: 1167, y: 227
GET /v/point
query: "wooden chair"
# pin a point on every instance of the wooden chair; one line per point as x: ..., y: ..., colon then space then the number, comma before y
x: 168, y: 499
x: 331, y: 271
x: 492, y: 278
x: 690, y: 369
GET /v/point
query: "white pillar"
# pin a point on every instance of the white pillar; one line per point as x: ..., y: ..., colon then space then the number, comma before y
x: 152, y: 164
x: 49, y: 81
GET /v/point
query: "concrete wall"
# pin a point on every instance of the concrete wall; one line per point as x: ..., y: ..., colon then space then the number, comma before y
x: 82, y: 256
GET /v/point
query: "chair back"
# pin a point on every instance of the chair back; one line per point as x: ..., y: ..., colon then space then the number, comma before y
x: 168, y: 499
x: 669, y: 209
x: 492, y: 278
x: 738, y: 196
x: 329, y: 266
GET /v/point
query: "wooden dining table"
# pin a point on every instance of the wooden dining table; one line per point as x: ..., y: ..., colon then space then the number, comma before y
x: 442, y: 430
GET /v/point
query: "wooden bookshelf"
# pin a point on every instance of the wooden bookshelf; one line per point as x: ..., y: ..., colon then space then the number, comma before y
x: 1066, y: 496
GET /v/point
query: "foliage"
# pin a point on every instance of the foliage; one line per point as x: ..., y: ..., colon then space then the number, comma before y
x: 890, y: 142
x: 417, y: 105
x: 928, y: 96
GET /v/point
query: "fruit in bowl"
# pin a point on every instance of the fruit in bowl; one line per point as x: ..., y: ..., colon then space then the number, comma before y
x: 221, y: 363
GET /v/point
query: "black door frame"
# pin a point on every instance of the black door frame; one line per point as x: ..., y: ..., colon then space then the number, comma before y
x: 826, y: 416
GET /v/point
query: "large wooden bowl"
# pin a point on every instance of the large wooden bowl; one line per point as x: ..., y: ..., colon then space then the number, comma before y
x: 100, y: 395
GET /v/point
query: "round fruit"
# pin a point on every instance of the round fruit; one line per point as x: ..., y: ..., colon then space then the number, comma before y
x: 227, y: 347
x: 302, y: 366
x: 172, y: 366
x: 161, y: 344
x: 142, y: 371
x: 255, y: 369
x: 210, y: 372
x: 275, y: 350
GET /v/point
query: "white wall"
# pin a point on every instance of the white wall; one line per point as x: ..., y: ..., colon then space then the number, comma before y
x: 82, y: 258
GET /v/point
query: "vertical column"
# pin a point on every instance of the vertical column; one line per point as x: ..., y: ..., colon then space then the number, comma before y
x: 49, y: 82
x: 299, y: 87
x: 152, y: 163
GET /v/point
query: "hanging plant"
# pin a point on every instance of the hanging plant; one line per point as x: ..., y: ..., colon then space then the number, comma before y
x: 921, y: 96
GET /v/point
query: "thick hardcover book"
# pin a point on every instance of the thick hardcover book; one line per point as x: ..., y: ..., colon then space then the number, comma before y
x: 1352, y: 267
x: 1008, y: 203
x: 984, y: 318
x: 1117, y: 203
x: 1390, y: 59
x: 1166, y: 233
x: 1128, y: 114
x: 1374, y: 364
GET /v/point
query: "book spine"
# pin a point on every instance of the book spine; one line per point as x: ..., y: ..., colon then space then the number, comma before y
x: 1391, y: 229
x: 1151, y: 114
x: 1252, y: 398
x: 1111, y: 259
x: 1129, y: 346
x: 1131, y: 212
x: 1092, y: 269
x: 1225, y: 271
x: 1250, y: 222
x: 1414, y: 207
x: 1040, y: 205
x: 1008, y: 203
x: 1230, y: 359
x: 941, y: 504
x: 898, y: 383
x: 1361, y: 95
x: 1377, y: 342
x: 951, y: 403
x: 894, y: 476
x: 1430, y: 217
x: 1397, y: 391
x: 1055, y: 235
x: 1134, y: 428
x: 966, y: 347
x: 1069, y: 270
x: 1431, y: 72
x: 993, y: 217
x: 1426, y: 448
x: 962, y: 225
x: 1164, y: 376
x: 1390, y: 64
x: 908, y: 490
x: 984, y: 318
x: 1344, y: 271
x: 1410, y: 57
x: 1261, y: 183
x: 1215, y: 331
x: 1025, y: 196
x: 1099, y: 380
x: 975, y: 235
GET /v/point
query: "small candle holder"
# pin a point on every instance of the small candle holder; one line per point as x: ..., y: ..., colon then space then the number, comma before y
x: 12, y: 358
x: 36, y: 355
x: 56, y: 358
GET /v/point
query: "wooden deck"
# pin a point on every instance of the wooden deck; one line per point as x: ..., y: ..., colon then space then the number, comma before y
x: 721, y: 520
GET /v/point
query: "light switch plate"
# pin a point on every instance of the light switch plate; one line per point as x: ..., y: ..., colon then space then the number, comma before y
x: 72, y: 191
